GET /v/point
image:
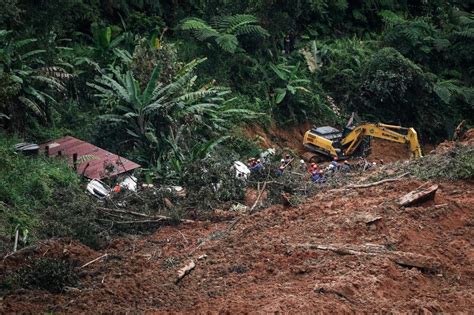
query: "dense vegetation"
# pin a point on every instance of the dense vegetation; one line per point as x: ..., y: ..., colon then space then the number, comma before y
x: 166, y: 82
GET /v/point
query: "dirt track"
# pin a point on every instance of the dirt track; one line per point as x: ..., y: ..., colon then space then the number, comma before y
x: 258, y: 265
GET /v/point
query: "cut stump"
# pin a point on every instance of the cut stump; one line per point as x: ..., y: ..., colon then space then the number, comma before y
x: 418, y: 196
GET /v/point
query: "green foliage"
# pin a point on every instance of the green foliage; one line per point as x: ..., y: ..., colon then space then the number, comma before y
x: 342, y: 62
x: 10, y: 14
x: 165, y: 120
x: 454, y: 163
x: 225, y: 30
x: 395, y: 90
x: 42, y: 195
x: 417, y: 39
x: 212, y: 182
x: 29, y: 85
x: 457, y: 164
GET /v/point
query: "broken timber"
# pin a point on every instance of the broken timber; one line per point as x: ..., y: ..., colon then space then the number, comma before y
x: 404, y: 259
x: 151, y: 219
x: 417, y: 196
x: 185, y: 270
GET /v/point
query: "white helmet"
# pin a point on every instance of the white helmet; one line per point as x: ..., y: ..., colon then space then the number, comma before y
x: 302, y: 161
x: 282, y: 160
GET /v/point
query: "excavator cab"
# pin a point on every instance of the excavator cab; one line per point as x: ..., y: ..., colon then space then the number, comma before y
x: 328, y: 132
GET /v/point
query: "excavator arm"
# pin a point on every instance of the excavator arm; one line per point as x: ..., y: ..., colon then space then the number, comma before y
x: 382, y: 131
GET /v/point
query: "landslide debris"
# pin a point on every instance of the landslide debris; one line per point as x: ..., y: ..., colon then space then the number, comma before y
x: 341, y: 250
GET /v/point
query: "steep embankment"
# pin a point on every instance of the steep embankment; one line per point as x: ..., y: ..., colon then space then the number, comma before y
x: 345, y: 249
x: 263, y: 263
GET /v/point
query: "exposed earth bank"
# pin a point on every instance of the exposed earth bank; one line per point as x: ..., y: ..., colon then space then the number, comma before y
x: 343, y: 250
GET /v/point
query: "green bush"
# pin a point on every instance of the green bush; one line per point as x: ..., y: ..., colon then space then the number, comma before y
x: 395, y: 90
x: 42, y: 196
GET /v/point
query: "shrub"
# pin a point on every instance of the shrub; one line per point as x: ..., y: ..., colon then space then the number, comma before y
x: 393, y: 89
x: 42, y: 196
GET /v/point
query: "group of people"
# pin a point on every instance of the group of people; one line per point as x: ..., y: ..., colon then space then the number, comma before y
x: 316, y: 173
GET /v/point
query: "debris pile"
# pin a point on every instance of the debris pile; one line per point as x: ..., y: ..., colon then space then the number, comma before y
x: 381, y: 239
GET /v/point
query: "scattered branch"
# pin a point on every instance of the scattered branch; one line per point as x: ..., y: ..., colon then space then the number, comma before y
x: 380, y: 181
x: 93, y: 261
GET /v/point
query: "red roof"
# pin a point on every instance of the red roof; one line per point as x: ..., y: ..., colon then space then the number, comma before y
x: 95, y: 162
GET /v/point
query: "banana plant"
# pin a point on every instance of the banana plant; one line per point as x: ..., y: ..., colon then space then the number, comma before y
x: 162, y: 120
x: 31, y: 85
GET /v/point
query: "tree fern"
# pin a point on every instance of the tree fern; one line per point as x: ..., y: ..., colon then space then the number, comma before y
x: 227, y: 42
x: 225, y: 30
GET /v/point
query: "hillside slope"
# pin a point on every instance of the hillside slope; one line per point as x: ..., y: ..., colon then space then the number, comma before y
x: 261, y: 263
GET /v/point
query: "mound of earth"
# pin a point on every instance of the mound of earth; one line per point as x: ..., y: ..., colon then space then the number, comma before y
x: 387, y: 151
x: 467, y: 140
x: 279, y: 137
x: 345, y: 250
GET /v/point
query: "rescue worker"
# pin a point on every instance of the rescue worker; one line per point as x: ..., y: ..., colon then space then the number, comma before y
x: 313, y: 167
x: 258, y: 166
x: 317, y: 176
x: 280, y: 170
x: 287, y: 160
x: 302, y: 165
x: 346, y: 167
x: 251, y: 163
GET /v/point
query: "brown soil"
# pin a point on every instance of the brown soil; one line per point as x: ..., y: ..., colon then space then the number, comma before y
x: 290, y: 138
x: 255, y: 264
x: 387, y: 151
x: 268, y: 261
x: 468, y: 140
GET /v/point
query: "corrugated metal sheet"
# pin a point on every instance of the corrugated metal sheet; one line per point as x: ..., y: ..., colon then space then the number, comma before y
x: 97, y: 162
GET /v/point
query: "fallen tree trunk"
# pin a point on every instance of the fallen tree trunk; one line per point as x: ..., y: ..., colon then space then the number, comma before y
x: 151, y: 219
x: 123, y: 211
x: 404, y: 259
x: 379, y: 182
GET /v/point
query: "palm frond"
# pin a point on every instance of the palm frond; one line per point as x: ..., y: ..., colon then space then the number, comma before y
x: 51, y: 82
x: 115, y: 86
x: 152, y: 83
x: 31, y: 105
x: 230, y: 24
x: 195, y: 96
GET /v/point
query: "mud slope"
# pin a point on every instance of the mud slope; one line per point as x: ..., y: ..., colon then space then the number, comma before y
x: 264, y: 262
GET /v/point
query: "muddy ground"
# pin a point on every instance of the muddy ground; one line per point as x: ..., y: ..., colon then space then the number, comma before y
x: 342, y: 250
x: 263, y: 262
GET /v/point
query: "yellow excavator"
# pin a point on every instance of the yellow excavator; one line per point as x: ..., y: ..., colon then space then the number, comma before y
x: 328, y: 142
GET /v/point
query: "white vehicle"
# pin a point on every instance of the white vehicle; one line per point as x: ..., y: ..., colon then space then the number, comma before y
x: 241, y: 170
x: 98, y: 189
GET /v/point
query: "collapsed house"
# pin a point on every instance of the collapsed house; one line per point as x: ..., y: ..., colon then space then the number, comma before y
x: 87, y: 159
